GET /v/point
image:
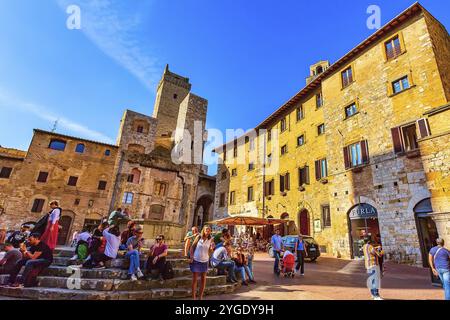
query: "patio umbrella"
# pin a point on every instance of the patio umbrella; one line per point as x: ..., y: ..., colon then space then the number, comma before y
x: 247, y: 221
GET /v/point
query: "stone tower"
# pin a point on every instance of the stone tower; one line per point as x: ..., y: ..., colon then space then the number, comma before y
x: 172, y: 90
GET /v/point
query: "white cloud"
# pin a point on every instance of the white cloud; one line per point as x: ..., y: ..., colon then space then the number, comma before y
x: 114, y: 28
x: 13, y: 103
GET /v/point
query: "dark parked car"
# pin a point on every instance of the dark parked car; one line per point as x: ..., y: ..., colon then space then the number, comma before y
x: 312, y: 247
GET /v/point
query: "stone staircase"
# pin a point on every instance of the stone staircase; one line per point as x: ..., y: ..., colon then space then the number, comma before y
x: 64, y: 280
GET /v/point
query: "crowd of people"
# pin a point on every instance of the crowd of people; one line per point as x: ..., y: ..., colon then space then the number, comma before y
x: 206, y: 250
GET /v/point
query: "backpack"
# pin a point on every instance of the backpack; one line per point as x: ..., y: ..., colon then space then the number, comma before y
x: 168, y: 272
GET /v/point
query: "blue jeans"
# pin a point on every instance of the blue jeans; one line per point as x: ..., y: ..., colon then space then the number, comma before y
x: 133, y: 255
x: 250, y: 263
x: 444, y: 275
x: 123, y: 247
x: 30, y: 265
x: 249, y: 272
x: 241, y: 270
x: 229, y: 266
x: 276, y: 266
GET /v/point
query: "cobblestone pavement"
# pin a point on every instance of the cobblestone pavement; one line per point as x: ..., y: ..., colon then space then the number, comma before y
x: 336, y: 279
x: 331, y: 279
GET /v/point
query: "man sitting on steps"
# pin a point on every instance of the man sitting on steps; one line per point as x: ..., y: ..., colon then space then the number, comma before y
x: 35, y: 260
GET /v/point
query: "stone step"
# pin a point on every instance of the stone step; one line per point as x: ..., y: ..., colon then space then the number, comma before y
x: 111, y: 273
x: 120, y: 262
x: 67, y: 294
x: 122, y: 285
x: 68, y: 252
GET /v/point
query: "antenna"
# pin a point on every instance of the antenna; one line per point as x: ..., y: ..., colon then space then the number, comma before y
x: 55, y: 125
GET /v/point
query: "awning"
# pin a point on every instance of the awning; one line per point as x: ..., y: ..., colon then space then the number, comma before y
x: 247, y: 221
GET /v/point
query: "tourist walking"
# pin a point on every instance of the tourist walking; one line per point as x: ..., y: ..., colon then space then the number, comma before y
x: 189, y: 239
x: 221, y: 260
x: 134, y: 245
x: 12, y: 256
x: 371, y: 260
x: 439, y: 261
x: 50, y: 236
x: 36, y: 259
x: 277, y: 246
x: 200, y: 251
x: 157, y: 257
x: 301, y: 252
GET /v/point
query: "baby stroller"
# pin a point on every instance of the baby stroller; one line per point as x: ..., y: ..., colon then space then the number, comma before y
x: 287, y: 264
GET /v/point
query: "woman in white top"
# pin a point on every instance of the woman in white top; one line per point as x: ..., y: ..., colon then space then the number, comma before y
x: 50, y: 235
x: 201, y: 249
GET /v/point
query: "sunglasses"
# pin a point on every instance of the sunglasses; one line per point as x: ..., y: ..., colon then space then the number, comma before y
x: 158, y: 239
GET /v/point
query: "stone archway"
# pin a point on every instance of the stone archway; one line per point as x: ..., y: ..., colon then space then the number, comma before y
x: 202, y: 212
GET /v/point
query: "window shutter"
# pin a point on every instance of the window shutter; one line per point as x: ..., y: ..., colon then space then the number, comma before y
x: 346, y: 158
x: 424, y: 128
x: 397, y: 140
x: 307, y: 174
x: 281, y: 183
x: 288, y: 181
x: 364, y: 152
x: 317, y: 167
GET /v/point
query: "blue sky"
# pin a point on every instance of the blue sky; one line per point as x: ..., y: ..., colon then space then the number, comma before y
x: 246, y: 57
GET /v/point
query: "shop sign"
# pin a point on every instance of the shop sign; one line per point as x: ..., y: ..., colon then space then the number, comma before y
x: 317, y: 225
x: 363, y: 211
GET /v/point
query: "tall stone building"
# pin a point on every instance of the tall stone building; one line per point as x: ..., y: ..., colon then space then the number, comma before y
x: 363, y: 149
x: 141, y: 172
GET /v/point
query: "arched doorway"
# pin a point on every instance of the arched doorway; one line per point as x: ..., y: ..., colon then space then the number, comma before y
x: 426, y: 228
x: 202, y: 211
x: 65, y: 223
x: 303, y: 222
x: 363, y: 222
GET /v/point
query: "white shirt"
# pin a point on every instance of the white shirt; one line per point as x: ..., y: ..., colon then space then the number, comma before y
x: 219, y: 255
x: 201, y: 253
x: 54, y: 215
x: 112, y: 244
x: 84, y: 236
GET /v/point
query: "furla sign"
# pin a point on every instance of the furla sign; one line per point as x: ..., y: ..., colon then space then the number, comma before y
x: 363, y: 211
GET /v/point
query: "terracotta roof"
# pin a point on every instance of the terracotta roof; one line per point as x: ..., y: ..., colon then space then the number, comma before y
x: 75, y: 138
x: 394, y: 23
x: 12, y: 153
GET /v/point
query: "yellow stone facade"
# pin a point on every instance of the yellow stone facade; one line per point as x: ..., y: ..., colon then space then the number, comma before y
x: 396, y: 184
